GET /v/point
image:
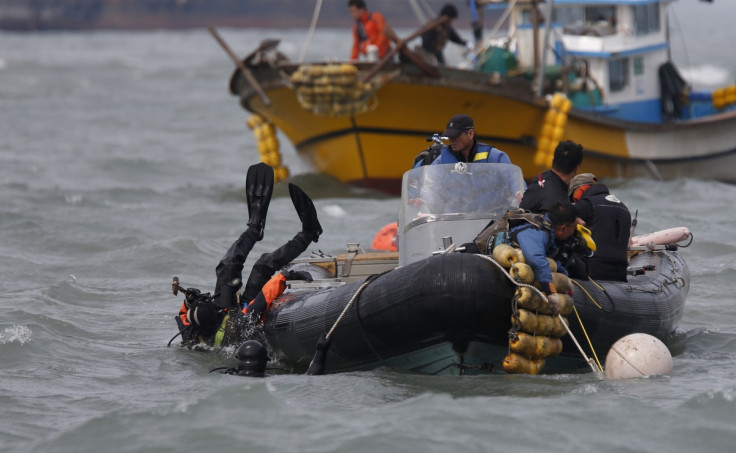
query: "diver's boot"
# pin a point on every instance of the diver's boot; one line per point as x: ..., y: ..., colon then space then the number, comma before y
x: 307, y: 213
x: 258, y: 190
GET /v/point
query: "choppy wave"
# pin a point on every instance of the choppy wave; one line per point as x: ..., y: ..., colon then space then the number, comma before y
x: 15, y: 334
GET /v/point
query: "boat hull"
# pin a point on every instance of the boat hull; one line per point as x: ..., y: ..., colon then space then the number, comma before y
x: 451, y: 313
x: 374, y: 148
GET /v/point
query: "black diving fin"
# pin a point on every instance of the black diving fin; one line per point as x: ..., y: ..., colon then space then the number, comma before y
x: 307, y: 213
x: 258, y: 190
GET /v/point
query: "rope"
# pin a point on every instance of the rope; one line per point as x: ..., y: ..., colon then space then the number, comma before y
x: 587, y: 338
x: 485, y: 45
x: 352, y: 299
x: 308, y: 40
x: 588, y: 294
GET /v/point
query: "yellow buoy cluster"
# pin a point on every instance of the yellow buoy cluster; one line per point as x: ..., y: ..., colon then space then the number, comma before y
x: 268, y: 145
x: 553, y: 129
x: 535, y: 334
x: 333, y: 90
x: 724, y: 97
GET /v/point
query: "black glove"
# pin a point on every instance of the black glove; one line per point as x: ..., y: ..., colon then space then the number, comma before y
x: 297, y: 275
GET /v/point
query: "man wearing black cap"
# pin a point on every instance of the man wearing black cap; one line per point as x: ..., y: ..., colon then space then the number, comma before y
x: 463, y: 146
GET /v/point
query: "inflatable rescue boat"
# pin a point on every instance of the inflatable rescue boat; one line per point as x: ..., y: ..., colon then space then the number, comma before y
x: 431, y: 310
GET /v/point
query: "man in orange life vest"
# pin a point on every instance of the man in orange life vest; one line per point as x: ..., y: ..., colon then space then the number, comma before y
x: 368, y: 30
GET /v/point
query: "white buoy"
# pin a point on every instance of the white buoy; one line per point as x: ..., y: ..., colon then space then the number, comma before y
x: 638, y: 355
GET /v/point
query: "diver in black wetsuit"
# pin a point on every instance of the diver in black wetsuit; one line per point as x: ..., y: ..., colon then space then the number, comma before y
x: 204, y: 318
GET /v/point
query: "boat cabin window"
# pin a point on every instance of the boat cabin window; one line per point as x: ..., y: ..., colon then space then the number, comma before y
x: 638, y: 66
x: 646, y: 18
x: 592, y: 20
x: 618, y: 74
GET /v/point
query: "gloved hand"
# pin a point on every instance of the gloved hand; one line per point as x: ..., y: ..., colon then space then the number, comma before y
x: 554, y: 303
x: 297, y: 275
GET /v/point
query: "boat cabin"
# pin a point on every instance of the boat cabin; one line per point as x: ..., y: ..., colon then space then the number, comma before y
x: 611, y: 57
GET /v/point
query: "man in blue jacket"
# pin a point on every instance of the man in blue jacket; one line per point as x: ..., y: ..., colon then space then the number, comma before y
x: 539, y: 242
x: 464, y: 147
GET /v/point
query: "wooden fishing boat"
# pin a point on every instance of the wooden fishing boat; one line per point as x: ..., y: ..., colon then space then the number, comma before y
x: 608, y: 83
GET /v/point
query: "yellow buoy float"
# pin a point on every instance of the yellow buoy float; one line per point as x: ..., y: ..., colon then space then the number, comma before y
x: 268, y: 145
x: 553, y: 129
x: 535, y: 334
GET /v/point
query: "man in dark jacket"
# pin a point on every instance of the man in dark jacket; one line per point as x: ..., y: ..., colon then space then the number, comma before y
x: 609, y: 220
x: 551, y: 186
x: 434, y: 40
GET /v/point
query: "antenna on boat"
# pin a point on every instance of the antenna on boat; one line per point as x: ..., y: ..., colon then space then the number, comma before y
x: 543, y: 60
x: 308, y: 40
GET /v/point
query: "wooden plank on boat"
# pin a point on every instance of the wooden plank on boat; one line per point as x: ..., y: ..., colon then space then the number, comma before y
x: 400, y: 45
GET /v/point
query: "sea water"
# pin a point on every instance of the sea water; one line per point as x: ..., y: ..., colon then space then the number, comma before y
x: 123, y: 162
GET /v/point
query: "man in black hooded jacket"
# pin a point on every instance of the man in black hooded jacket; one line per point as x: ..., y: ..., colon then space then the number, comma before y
x: 609, y: 221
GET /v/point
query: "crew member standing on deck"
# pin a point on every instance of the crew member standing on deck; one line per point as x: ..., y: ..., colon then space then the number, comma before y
x: 434, y: 40
x: 368, y: 30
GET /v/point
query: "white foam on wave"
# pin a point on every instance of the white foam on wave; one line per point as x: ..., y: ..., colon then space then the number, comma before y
x: 708, y: 75
x: 19, y: 334
x: 334, y: 210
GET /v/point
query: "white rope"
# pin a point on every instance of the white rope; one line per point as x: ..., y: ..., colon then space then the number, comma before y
x: 308, y: 40
x: 350, y: 302
x: 488, y: 41
x: 587, y: 359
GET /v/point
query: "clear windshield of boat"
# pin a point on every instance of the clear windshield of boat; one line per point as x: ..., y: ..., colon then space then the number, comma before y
x: 480, y: 188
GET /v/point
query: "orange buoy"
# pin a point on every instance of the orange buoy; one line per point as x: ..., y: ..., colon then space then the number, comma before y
x: 387, y: 238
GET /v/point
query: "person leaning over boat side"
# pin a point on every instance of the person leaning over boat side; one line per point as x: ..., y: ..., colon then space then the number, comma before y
x: 435, y: 40
x: 538, y: 243
x: 368, y: 30
x: 609, y: 220
x: 551, y: 185
x: 463, y: 147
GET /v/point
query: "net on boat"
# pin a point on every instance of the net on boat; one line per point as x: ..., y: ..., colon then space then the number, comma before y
x: 335, y: 89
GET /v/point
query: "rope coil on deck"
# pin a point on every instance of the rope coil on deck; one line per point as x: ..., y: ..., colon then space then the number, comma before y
x: 334, y: 90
